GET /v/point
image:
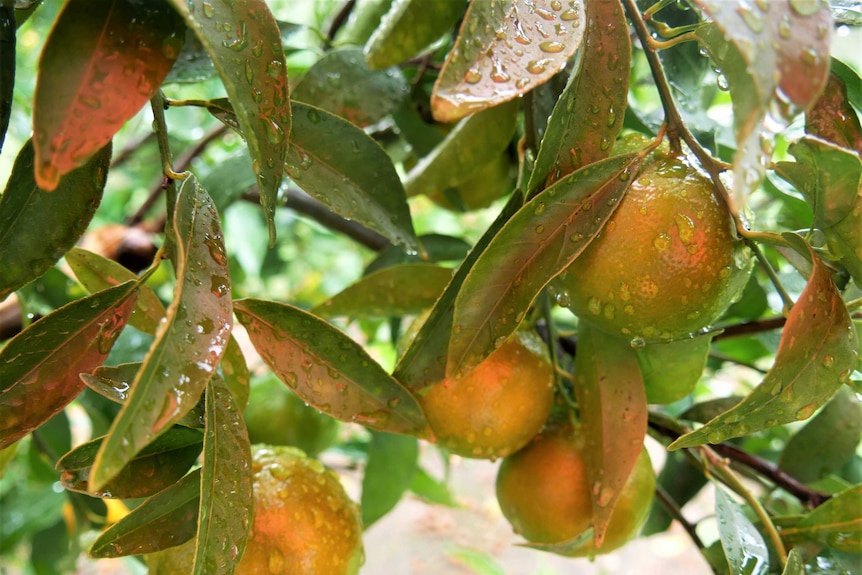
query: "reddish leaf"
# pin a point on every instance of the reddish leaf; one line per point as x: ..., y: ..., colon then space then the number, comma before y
x: 832, y: 117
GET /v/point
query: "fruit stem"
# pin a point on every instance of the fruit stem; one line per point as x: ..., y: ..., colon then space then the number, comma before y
x: 773, y: 277
x: 552, y: 342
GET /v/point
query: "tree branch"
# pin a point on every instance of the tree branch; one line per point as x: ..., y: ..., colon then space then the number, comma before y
x: 759, y: 326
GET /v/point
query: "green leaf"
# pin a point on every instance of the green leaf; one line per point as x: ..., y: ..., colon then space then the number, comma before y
x: 671, y: 370
x: 226, y: 504
x: 817, y: 353
x: 235, y: 371
x: 430, y: 489
x: 26, y: 250
x: 479, y: 562
x: 743, y: 544
x: 328, y: 369
x: 102, y: 61
x: 165, y: 520
x: 503, y: 50
x: 586, y: 121
x: 364, y: 19
x: 613, y: 409
x: 832, y: 117
x: 244, y: 42
x: 845, y: 240
x: 342, y: 83
x: 232, y: 176
x: 836, y: 523
x: 338, y: 164
x: 405, y: 289
x: 157, y: 466
x: 795, y: 564
x: 188, y: 344
x: 827, y: 442
x: 408, y: 28
x: 7, y: 67
x: 39, y: 367
x: 539, y: 242
x: 388, y: 474
x: 435, y: 247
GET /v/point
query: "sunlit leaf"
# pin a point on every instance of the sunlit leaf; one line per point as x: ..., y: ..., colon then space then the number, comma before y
x: 388, y: 474
x: 337, y: 163
x: 503, y: 50
x: 39, y: 367
x: 836, y: 523
x: 405, y: 289
x: 328, y: 369
x: 102, y: 61
x: 188, y: 344
x: 613, y: 409
x: 671, y: 370
x: 833, y: 118
x: 743, y: 544
x: 244, y: 42
x: 7, y: 67
x: 818, y: 350
x: 588, y: 116
x: 26, y: 250
x: 536, y: 244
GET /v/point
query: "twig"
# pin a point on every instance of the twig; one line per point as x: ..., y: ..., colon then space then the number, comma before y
x: 130, y: 148
x: 674, y: 510
x: 339, y: 20
x: 759, y: 326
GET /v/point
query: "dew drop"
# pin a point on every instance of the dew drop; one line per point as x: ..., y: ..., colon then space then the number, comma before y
x: 552, y: 46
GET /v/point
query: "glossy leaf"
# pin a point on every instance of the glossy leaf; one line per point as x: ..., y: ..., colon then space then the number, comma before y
x: 836, y: 523
x: 473, y: 143
x: 235, y: 371
x: 328, y: 369
x: 226, y: 504
x: 166, y: 519
x: 818, y: 350
x: 435, y: 248
x: 188, y: 344
x: 342, y: 83
x: 7, y: 67
x: 408, y: 28
x: 539, y: 242
x: 503, y: 50
x: 364, y: 19
x: 244, y: 42
x: 388, y: 474
x: 671, y: 370
x: 338, y: 164
x: 39, y: 367
x: 28, y: 251
x: 588, y: 115
x: 833, y: 118
x: 613, y: 409
x: 743, y: 544
x: 158, y: 466
x: 405, y: 289
x: 795, y: 563
x: 103, y: 60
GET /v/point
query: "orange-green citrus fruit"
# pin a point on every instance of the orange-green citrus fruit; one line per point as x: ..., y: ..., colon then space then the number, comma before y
x: 544, y: 492
x: 495, y: 409
x: 666, y: 264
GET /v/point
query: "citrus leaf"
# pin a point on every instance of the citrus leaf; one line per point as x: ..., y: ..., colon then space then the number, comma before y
x: 235, y: 371
x: 340, y: 165
x: 588, y: 115
x: 166, y: 519
x: 435, y: 248
x: 364, y: 19
x: 477, y: 561
x: 408, y: 28
x: 404, y: 289
x: 7, y: 67
x: 613, y: 409
x: 102, y: 61
x: 328, y: 369
x: 158, y: 465
x: 226, y: 505
x: 503, y: 50
x: 795, y: 564
x: 671, y: 370
x: 39, y: 367
x: 244, y: 42
x: 388, y: 474
x: 845, y: 240
x: 836, y: 523
x: 817, y: 353
x: 431, y: 490
x: 473, y: 143
x: 27, y: 251
x: 833, y: 118
x: 536, y: 244
x: 743, y: 544
x: 342, y: 83
x: 188, y: 344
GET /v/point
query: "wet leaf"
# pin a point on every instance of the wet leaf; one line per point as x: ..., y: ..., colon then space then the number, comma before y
x: 7, y: 67
x: 188, y: 344
x: 226, y: 504
x: 408, y: 28
x: 836, y: 523
x: 503, y: 50
x: 364, y: 19
x: 795, y: 564
x: 166, y: 519
x: 103, y: 60
x: 158, y: 465
x: 588, y: 116
x: 244, y: 42
x: 613, y: 409
x: 473, y: 143
x: 328, y: 369
x: 28, y: 251
x: 833, y: 118
x: 743, y: 544
x: 338, y: 164
x: 342, y: 83
x: 817, y: 353
x: 405, y: 289
x: 671, y: 370
x: 388, y: 474
x: 39, y: 367
x: 435, y: 248
x: 536, y: 244
x: 235, y: 371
